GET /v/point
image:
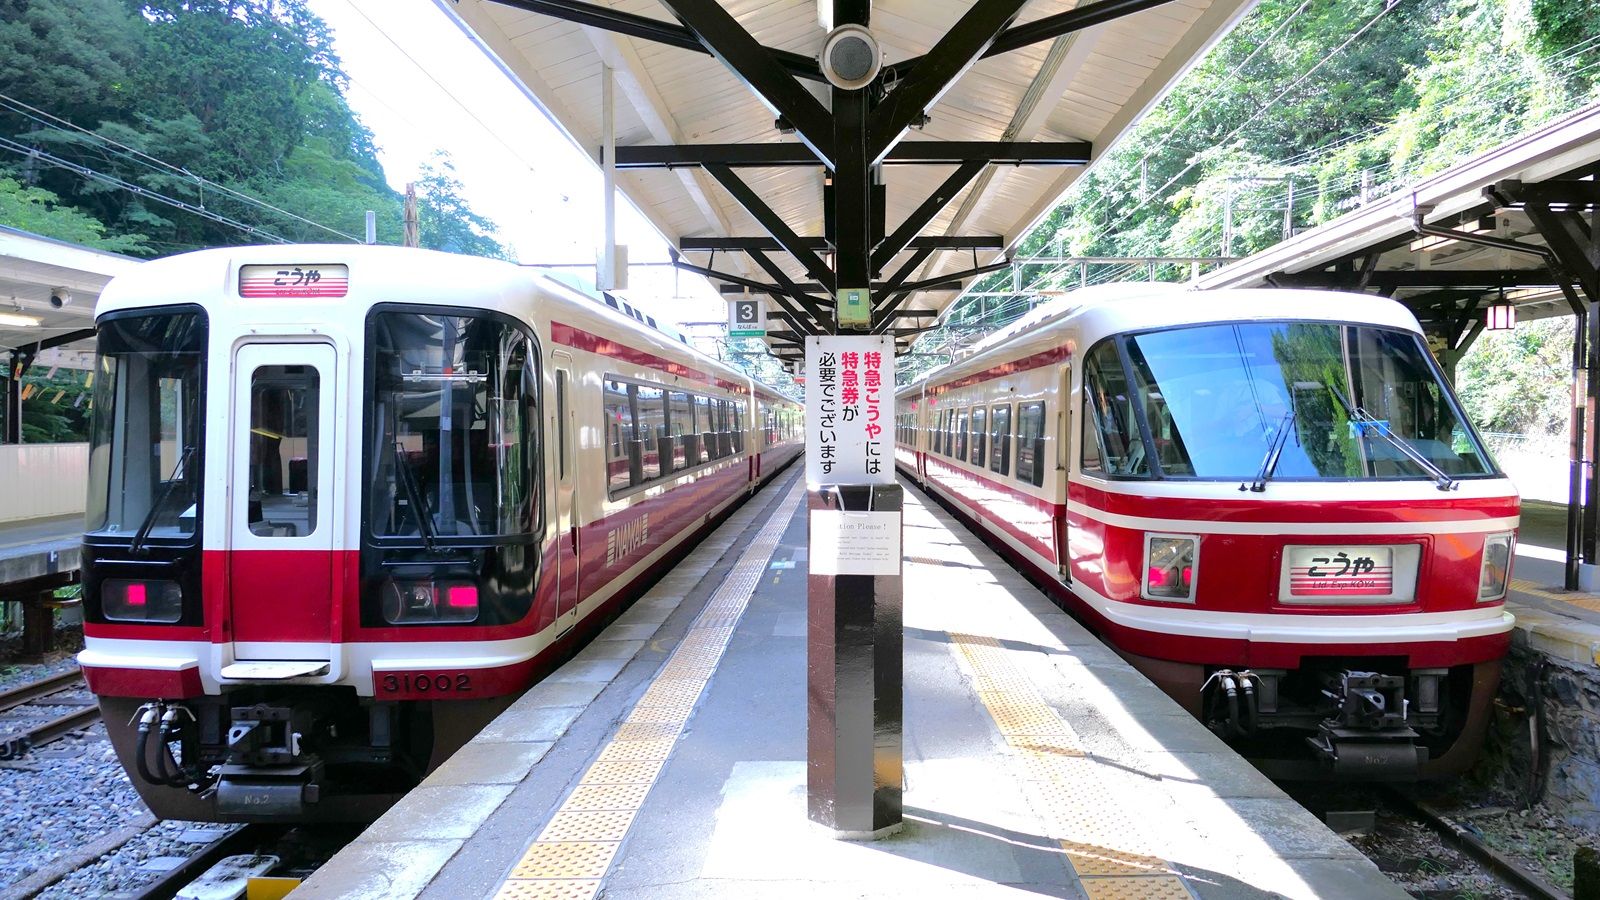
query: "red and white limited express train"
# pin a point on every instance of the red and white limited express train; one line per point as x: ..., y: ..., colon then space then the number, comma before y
x: 345, y: 503
x: 1269, y: 501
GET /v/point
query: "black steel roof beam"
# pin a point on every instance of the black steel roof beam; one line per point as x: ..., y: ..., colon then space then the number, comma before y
x: 810, y: 304
x: 770, y: 290
x: 903, y: 274
x: 1422, y: 278
x: 1048, y: 28
x: 957, y: 277
x: 720, y: 33
x: 811, y: 287
x: 1568, y: 238
x: 920, y: 86
x: 646, y: 28
x: 1553, y: 192
x: 935, y: 242
x: 890, y: 247
x: 764, y: 215
x: 916, y: 153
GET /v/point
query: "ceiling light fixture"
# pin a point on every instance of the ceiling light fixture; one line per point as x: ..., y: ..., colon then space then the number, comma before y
x: 18, y: 320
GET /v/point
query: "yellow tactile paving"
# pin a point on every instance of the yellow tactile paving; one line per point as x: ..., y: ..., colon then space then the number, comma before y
x: 1576, y: 598
x: 571, y: 856
x: 1108, y: 850
x: 1142, y: 887
x: 548, y: 889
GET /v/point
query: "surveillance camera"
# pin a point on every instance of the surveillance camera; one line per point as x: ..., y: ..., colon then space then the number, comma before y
x: 60, y: 297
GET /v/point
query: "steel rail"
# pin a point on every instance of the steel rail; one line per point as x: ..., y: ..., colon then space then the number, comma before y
x: 34, y: 690
x: 233, y: 843
x: 1509, y: 871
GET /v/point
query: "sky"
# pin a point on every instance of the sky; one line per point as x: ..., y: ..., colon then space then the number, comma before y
x: 422, y: 86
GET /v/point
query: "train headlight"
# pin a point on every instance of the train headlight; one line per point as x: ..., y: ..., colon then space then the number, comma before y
x: 1170, y: 565
x: 142, y: 600
x: 408, y: 602
x: 1496, y: 568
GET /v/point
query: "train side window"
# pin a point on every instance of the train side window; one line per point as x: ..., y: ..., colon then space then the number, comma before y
x: 561, y: 423
x: 738, y: 426
x: 1116, y: 448
x: 680, y: 423
x: 1030, y: 443
x: 979, y: 433
x: 941, y: 437
x: 652, y: 411
x: 961, y: 435
x: 1000, y: 439
x: 624, y: 452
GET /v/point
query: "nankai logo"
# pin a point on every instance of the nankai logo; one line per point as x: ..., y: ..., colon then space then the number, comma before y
x: 625, y: 539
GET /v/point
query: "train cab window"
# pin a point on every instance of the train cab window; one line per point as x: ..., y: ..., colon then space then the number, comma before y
x: 1112, y: 443
x: 652, y: 410
x: 1000, y: 439
x: 622, y: 440
x: 979, y: 435
x: 146, y: 443
x: 453, y: 448
x: 283, y: 450
x: 1333, y: 401
x: 1030, y: 443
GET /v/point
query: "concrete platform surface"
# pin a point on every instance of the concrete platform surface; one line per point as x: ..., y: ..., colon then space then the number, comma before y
x: 31, y: 548
x: 668, y: 759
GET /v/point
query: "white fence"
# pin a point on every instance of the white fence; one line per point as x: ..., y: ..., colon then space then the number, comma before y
x: 42, y: 480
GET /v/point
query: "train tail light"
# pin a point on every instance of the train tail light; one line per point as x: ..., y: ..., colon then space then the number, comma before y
x: 1170, y: 564
x: 1496, y: 570
x: 128, y: 600
x: 427, y: 602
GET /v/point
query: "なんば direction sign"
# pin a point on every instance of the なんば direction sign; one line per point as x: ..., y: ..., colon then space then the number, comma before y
x: 849, y: 410
x: 747, y: 318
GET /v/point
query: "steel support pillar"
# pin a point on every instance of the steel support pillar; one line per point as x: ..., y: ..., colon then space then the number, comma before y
x: 855, y: 672
x: 12, y: 401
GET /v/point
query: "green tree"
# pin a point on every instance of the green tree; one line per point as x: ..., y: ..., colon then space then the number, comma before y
x: 445, y: 221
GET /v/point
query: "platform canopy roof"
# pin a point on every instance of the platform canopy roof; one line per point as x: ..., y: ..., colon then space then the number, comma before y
x: 1513, y: 223
x: 31, y: 269
x: 984, y: 112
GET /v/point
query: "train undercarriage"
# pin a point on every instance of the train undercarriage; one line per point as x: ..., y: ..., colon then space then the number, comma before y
x: 1353, y: 718
x: 285, y: 754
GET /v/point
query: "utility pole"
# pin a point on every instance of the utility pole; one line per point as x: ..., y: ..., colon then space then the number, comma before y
x: 411, y: 239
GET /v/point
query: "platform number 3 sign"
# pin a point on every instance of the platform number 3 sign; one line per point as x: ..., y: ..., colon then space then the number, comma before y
x: 746, y: 318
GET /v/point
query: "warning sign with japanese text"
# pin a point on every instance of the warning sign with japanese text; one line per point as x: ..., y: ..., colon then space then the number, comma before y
x: 849, y: 410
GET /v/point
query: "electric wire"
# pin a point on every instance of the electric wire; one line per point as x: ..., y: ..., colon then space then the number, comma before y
x: 138, y: 190
x: 154, y: 163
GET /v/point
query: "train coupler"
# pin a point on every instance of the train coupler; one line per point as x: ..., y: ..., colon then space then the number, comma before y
x: 1368, y: 735
x: 254, y: 792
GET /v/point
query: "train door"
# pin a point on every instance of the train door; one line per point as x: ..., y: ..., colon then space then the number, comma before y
x: 1063, y: 469
x: 282, y: 517
x: 566, y: 458
x: 921, y: 442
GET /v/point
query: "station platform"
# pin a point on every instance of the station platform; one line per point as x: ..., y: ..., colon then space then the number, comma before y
x: 33, y: 548
x: 667, y: 759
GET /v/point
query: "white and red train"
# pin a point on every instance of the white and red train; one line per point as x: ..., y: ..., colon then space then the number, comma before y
x: 1269, y: 501
x: 345, y: 503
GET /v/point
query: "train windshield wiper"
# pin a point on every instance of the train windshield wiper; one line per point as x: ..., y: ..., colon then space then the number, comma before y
x: 414, y: 497
x: 149, y: 522
x: 1270, y: 461
x: 1372, y: 425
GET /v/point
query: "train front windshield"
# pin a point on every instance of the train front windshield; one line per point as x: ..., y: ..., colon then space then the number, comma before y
x: 452, y: 451
x: 145, y: 445
x: 1335, y: 401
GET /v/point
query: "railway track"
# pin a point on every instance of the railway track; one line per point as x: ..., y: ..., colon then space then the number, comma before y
x: 16, y: 738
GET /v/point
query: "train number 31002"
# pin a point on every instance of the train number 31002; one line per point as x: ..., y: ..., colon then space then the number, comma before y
x: 423, y: 683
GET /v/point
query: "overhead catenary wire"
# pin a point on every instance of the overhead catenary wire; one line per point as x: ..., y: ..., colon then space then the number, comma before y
x: 138, y: 190
x: 155, y: 163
